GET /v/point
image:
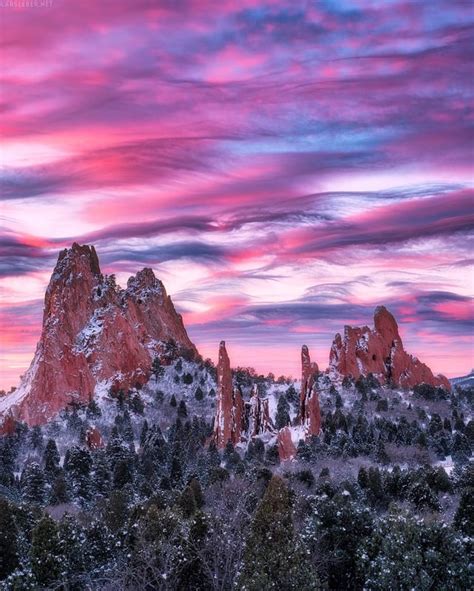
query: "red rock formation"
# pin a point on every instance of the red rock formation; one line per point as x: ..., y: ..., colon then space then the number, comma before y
x: 380, y: 351
x: 8, y: 425
x: 258, y: 415
x: 310, y: 415
x: 94, y: 333
x: 94, y: 438
x: 238, y: 415
x: 228, y: 420
x: 236, y: 420
x: 286, y: 447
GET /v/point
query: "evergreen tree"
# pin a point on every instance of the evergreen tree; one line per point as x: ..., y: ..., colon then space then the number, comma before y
x: 93, y: 410
x: 273, y: 556
x: 51, y: 459
x: 72, y: 543
x: 406, y: 554
x: 46, y: 554
x: 187, y: 502
x: 8, y: 539
x: 464, y: 518
x: 33, y: 483
x: 36, y: 437
x: 78, y: 465
x: 282, y: 418
x: 182, y: 410
x: 333, y: 531
x: 59, y: 490
x: 102, y: 477
x: 157, y: 369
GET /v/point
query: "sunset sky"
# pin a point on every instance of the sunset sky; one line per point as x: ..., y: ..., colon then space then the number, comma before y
x: 284, y: 167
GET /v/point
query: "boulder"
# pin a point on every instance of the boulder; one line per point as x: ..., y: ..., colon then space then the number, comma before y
x: 94, y: 438
x: 286, y: 447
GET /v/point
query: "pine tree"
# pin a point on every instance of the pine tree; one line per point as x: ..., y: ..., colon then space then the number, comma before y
x: 93, y: 410
x: 406, y: 554
x: 282, y: 418
x: 46, y: 555
x: 8, y: 539
x: 33, y: 483
x: 102, y: 477
x: 51, y: 459
x: 157, y: 369
x: 182, y: 410
x: 187, y: 502
x: 78, y: 466
x: 72, y: 543
x: 36, y: 437
x: 464, y: 517
x: 59, y: 490
x: 273, y: 556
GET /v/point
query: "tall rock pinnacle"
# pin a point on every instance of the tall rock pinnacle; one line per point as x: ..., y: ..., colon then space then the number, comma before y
x: 229, y: 412
x: 380, y: 351
x: 310, y: 414
x: 94, y: 333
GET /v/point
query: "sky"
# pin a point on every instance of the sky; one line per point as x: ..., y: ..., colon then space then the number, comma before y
x: 284, y: 167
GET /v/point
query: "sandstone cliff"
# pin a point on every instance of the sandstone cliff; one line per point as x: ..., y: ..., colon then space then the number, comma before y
x: 94, y: 333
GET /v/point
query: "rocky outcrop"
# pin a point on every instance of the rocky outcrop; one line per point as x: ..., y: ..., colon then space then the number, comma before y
x: 235, y: 419
x: 229, y: 410
x: 94, y: 333
x: 94, y: 438
x: 286, y: 447
x: 8, y: 424
x: 258, y: 413
x: 310, y: 414
x: 380, y: 351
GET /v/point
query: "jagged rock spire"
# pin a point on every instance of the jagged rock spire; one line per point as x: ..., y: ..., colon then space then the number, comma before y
x: 94, y: 333
x: 310, y: 414
x: 379, y: 351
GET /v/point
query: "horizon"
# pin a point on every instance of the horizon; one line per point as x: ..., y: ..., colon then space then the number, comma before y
x: 283, y: 170
x: 241, y: 351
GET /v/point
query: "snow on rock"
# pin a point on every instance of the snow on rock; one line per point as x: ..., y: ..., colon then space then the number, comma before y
x: 94, y: 438
x: 93, y: 333
x: 380, y: 351
x: 236, y: 420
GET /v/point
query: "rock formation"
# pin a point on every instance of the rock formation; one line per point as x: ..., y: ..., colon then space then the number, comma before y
x: 286, y: 447
x: 229, y: 410
x: 236, y: 420
x: 94, y: 438
x: 310, y: 415
x: 380, y: 351
x: 94, y: 333
x: 258, y: 414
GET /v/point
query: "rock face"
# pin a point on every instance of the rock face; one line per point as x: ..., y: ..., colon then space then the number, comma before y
x: 94, y: 438
x: 229, y: 411
x: 94, y: 333
x: 380, y: 351
x: 235, y: 419
x: 258, y: 415
x: 310, y: 414
x: 286, y: 447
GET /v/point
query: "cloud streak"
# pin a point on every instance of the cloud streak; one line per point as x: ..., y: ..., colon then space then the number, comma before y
x: 283, y: 167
